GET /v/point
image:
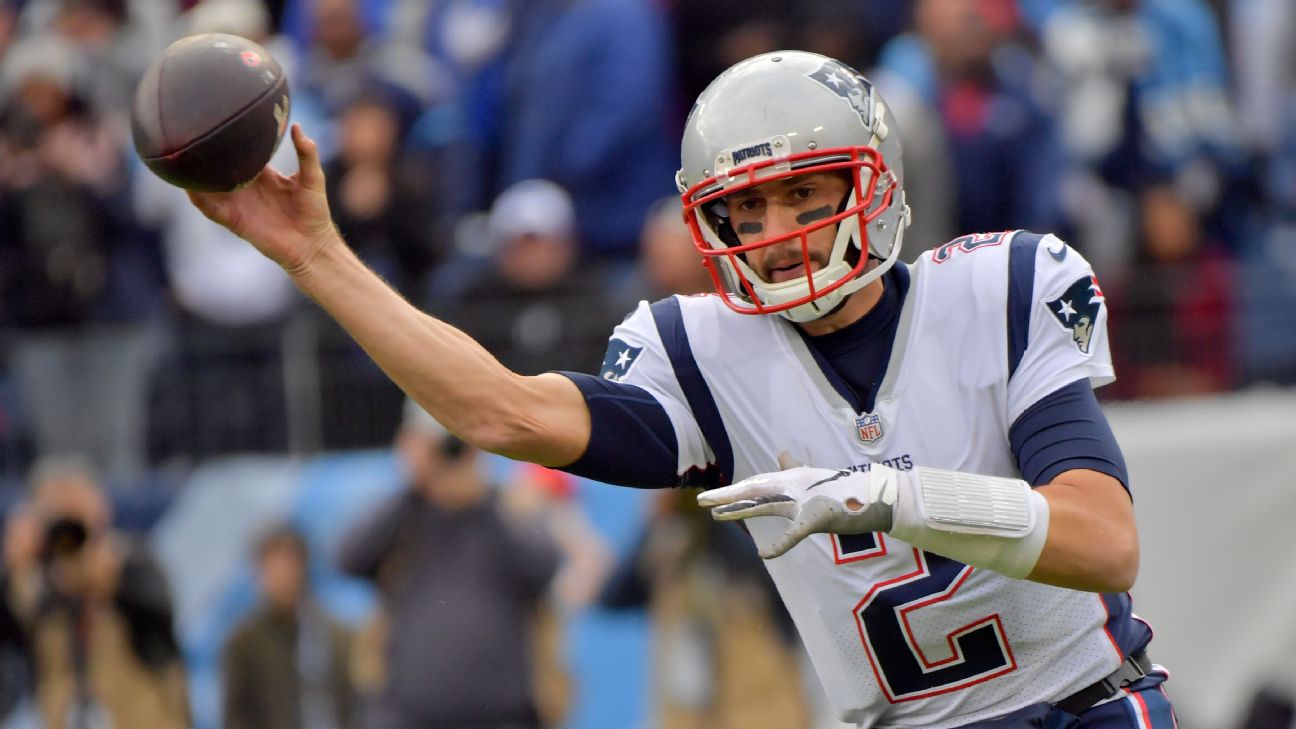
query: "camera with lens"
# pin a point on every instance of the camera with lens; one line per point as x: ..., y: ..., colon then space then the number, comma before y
x: 65, y: 536
x: 451, y: 447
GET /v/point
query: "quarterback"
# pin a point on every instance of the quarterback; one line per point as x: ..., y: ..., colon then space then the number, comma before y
x: 915, y: 450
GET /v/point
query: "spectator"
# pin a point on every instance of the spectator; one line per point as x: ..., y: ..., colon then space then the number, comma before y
x: 710, y: 38
x: 211, y: 276
x: 667, y: 253
x: 460, y: 588
x: 931, y: 187
x: 586, y: 104
x: 962, y: 63
x: 1263, y: 54
x: 712, y: 604
x: 116, y: 44
x: 115, y: 40
x: 1264, y: 57
x: 846, y: 29
x: 287, y: 665
x: 251, y: 19
x: 1264, y: 35
x: 342, y: 61
x: 95, y: 608
x: 471, y: 38
x: 547, y: 499
x: 1143, y: 99
x: 668, y: 261
x: 1145, y: 77
x: 225, y: 333
x: 539, y: 306
x: 78, y: 280
x: 1174, y: 319
x: 395, y: 212
x: 386, y: 200
x: 293, y: 17
x: 234, y: 312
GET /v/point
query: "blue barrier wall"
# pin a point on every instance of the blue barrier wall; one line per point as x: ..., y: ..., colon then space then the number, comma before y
x: 204, y: 542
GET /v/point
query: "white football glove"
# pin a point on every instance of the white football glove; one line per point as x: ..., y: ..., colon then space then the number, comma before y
x: 997, y: 523
x: 814, y: 499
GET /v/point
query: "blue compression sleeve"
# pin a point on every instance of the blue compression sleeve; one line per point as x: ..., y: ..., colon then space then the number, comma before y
x: 1066, y: 429
x: 632, y: 441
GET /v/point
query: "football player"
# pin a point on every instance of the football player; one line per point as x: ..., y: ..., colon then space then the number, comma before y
x: 956, y: 549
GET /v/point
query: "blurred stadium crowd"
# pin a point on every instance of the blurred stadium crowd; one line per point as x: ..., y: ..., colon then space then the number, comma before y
x: 1158, y: 137
x: 508, y: 165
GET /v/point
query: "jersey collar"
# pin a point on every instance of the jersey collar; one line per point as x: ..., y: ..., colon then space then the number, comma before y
x: 887, y: 317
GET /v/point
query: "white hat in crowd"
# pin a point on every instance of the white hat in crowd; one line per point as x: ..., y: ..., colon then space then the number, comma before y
x: 532, y: 207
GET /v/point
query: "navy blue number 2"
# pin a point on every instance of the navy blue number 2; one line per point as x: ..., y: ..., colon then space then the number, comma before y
x: 977, y: 651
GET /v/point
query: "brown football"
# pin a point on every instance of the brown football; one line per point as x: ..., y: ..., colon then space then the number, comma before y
x: 210, y: 111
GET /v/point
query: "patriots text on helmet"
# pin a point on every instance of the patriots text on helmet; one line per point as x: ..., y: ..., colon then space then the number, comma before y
x: 756, y: 150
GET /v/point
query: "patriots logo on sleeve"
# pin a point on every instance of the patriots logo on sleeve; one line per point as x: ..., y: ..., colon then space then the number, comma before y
x: 1076, y: 310
x: 619, y: 359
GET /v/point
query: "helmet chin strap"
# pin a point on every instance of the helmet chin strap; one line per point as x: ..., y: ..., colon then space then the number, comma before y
x: 844, y: 299
x: 814, y: 308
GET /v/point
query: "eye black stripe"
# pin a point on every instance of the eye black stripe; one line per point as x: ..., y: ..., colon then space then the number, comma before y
x: 811, y: 216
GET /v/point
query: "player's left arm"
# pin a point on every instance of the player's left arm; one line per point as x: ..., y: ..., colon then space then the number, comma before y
x: 1075, y: 529
x: 1058, y: 352
x: 1092, y: 541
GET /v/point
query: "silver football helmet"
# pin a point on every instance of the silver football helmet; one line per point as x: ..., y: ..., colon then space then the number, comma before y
x: 782, y: 114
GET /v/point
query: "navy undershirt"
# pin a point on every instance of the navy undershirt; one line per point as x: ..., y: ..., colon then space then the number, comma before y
x: 1064, y: 430
x: 855, y: 358
x: 632, y: 441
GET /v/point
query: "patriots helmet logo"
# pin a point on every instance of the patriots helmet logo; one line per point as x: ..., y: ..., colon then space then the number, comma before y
x: 850, y: 86
x: 1076, y: 310
x: 619, y: 359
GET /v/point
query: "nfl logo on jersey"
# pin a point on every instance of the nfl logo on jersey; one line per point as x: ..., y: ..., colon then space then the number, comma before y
x: 868, y: 427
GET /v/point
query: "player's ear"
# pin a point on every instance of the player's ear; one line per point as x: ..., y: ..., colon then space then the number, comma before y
x: 786, y: 461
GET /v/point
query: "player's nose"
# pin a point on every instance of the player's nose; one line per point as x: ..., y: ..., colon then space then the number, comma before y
x: 780, y: 221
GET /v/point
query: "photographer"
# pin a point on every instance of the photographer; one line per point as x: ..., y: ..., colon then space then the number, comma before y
x: 462, y: 583
x: 95, y: 609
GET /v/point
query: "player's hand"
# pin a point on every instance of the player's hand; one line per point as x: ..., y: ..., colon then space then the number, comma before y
x: 814, y: 499
x: 285, y: 216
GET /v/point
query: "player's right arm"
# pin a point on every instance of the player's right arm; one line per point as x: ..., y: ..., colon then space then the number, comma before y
x: 542, y: 419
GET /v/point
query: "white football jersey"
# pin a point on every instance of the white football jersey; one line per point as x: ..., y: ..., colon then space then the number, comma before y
x: 899, y: 637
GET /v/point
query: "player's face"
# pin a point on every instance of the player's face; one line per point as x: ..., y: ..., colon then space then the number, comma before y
x: 782, y: 207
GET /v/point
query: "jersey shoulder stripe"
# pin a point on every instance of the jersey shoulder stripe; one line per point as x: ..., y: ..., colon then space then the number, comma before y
x: 1021, y: 294
x: 674, y: 337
